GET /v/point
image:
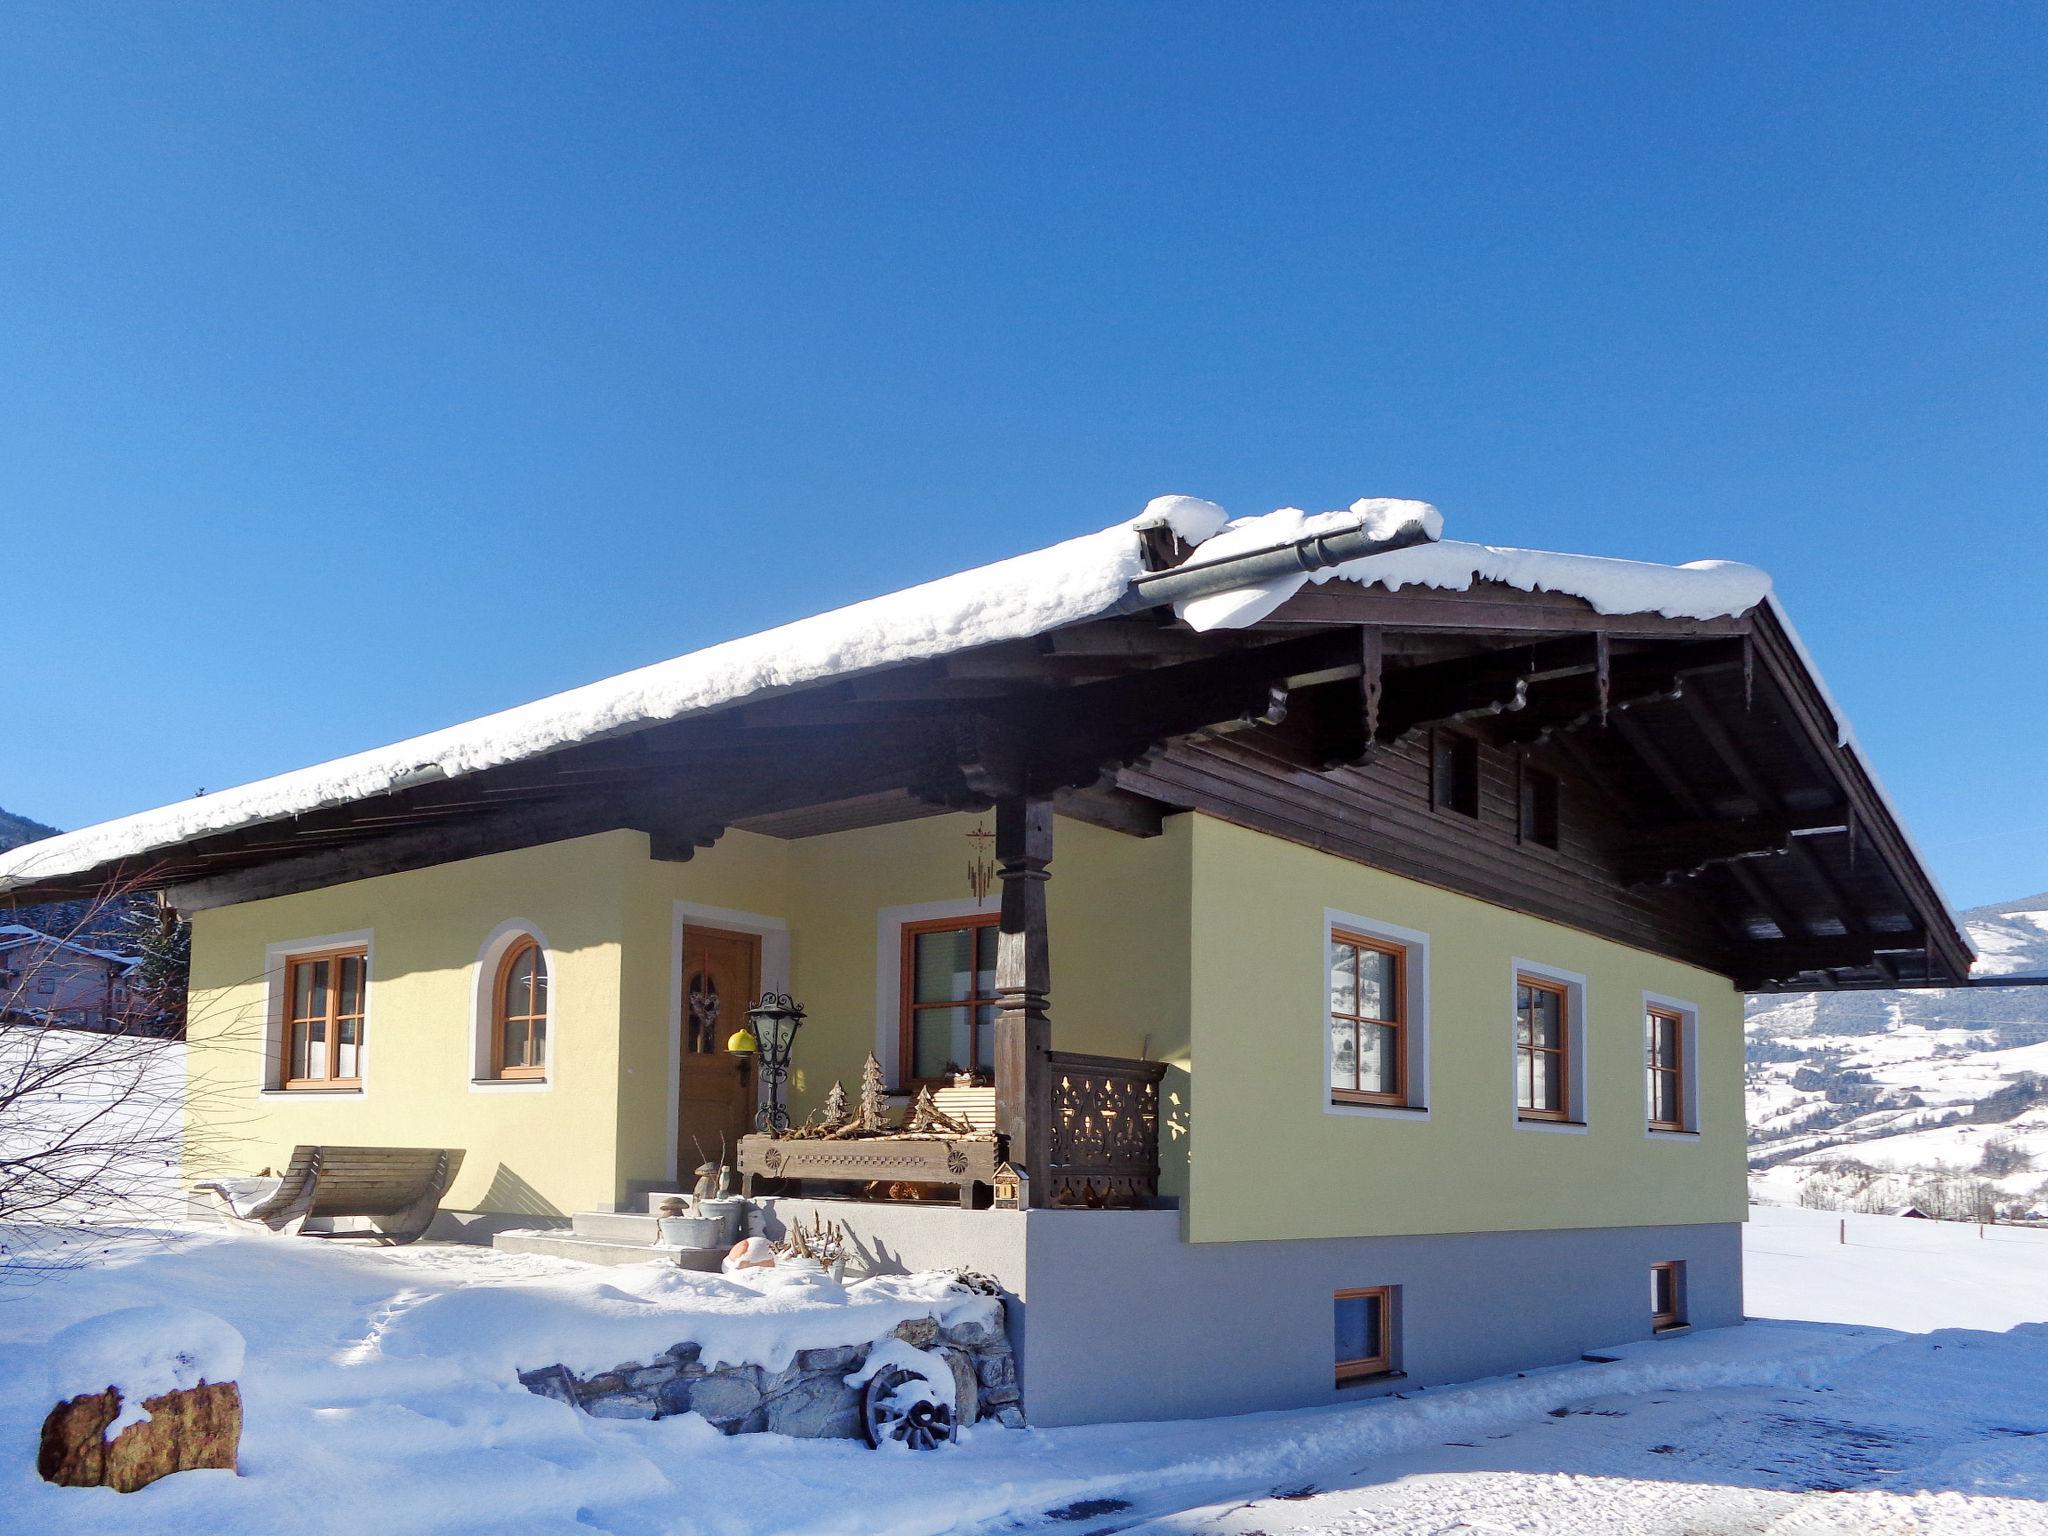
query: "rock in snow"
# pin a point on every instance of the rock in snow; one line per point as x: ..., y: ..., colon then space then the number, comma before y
x: 141, y: 1352
x: 143, y: 1392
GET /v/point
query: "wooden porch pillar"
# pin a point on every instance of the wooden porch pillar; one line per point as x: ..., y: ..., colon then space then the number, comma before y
x: 1023, y: 983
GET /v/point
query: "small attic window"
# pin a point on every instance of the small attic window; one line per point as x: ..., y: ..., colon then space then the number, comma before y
x: 1454, y: 774
x: 1539, y: 807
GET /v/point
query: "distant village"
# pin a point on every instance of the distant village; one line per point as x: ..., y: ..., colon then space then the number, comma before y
x: 114, y: 966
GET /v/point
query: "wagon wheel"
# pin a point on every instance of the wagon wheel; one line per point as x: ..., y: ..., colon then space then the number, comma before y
x: 900, y: 1406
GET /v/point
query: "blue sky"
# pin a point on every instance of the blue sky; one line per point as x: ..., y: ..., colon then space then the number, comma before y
x: 368, y: 368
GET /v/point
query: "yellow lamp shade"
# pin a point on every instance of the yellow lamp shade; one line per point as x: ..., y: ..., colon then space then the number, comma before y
x: 741, y: 1042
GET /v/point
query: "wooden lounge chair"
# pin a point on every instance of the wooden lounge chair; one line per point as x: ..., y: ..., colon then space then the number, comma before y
x: 400, y: 1188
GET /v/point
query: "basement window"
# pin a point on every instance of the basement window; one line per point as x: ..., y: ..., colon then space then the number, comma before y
x: 1365, y: 1334
x: 1539, y: 807
x: 1667, y: 1296
x: 1454, y: 774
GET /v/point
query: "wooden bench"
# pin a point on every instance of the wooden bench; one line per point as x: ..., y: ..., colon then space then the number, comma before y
x: 400, y: 1188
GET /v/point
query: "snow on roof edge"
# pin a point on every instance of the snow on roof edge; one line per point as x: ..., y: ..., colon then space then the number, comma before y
x: 1703, y: 589
x: 1027, y: 594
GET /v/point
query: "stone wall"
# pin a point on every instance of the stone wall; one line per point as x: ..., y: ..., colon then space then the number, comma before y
x: 808, y: 1398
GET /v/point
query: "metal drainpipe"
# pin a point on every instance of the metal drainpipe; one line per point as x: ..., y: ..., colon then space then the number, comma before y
x: 1316, y: 552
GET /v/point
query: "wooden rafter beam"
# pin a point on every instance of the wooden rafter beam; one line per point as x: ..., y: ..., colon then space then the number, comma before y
x: 1689, y: 848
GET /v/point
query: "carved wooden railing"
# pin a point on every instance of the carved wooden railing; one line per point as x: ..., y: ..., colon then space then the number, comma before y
x: 1105, y: 1130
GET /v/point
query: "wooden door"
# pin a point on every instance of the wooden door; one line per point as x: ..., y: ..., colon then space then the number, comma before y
x: 721, y: 980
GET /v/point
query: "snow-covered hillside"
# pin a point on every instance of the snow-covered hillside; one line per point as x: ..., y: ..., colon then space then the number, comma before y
x: 1876, y: 1100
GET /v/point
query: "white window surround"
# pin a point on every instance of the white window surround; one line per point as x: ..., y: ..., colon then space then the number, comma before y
x: 1688, y: 1059
x: 889, y: 922
x: 484, y: 1010
x: 1415, y: 945
x: 1576, y: 1033
x: 275, y: 960
x: 775, y: 954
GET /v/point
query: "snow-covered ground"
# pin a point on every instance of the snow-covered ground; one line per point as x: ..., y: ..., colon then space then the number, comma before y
x: 91, y: 1128
x: 1897, y: 1388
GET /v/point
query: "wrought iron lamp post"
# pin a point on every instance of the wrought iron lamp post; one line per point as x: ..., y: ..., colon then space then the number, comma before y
x: 771, y: 1030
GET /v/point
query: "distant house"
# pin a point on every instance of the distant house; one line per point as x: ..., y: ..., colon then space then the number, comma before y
x: 1913, y: 1211
x: 48, y: 980
x: 1378, y: 1023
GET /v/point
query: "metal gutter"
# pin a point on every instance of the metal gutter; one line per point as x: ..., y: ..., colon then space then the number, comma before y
x: 1316, y: 552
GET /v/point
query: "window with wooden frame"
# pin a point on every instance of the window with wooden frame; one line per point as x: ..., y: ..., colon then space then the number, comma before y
x: 1539, y: 807
x: 325, y: 998
x: 949, y: 983
x: 1664, y: 1055
x: 1542, y: 1049
x: 1368, y: 1020
x: 1365, y: 1333
x: 1667, y: 1296
x: 519, y: 1020
x: 1454, y: 773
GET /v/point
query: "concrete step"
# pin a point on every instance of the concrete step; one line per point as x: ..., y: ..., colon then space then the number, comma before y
x: 615, y: 1226
x: 598, y: 1250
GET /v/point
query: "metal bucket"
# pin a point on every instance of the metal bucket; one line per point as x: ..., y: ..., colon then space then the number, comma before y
x: 693, y: 1232
x: 732, y: 1211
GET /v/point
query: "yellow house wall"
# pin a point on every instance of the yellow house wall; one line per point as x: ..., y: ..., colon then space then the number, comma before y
x: 1270, y: 1163
x: 1117, y: 912
x: 1201, y: 947
x: 539, y: 1152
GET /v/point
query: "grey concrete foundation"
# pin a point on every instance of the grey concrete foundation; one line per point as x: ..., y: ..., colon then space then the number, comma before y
x: 1114, y: 1317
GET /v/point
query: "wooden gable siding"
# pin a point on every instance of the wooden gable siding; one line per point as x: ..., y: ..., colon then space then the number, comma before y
x: 1381, y: 815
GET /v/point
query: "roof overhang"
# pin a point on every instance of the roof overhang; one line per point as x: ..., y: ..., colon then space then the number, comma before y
x: 1765, y: 810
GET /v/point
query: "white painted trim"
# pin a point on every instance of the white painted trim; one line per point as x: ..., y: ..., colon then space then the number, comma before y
x: 1577, y: 1030
x: 1689, y: 1065
x: 271, y: 1060
x: 483, y: 1008
x: 775, y: 961
x: 1415, y: 944
x: 889, y: 923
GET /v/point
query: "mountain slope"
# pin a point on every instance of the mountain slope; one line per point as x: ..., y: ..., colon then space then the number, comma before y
x: 104, y: 924
x: 1869, y: 1100
x: 16, y: 830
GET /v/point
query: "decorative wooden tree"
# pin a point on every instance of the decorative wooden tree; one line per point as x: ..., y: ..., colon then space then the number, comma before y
x: 874, y: 1098
x: 927, y: 1119
x: 837, y: 1112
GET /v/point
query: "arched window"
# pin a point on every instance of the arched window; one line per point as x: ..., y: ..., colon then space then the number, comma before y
x: 519, y: 1025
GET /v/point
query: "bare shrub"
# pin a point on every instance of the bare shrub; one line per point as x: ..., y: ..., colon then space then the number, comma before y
x: 93, y: 1121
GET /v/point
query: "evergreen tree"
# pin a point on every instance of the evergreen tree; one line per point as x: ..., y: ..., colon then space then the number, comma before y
x: 157, y: 986
x: 837, y: 1112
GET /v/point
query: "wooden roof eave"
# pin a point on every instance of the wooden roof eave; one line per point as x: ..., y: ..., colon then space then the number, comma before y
x: 1778, y: 657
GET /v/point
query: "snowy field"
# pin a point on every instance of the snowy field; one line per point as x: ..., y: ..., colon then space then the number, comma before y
x: 1875, y: 1100
x: 1900, y: 1386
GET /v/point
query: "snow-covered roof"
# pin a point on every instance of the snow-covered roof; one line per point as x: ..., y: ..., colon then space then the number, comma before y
x: 1030, y: 594
x: 13, y: 935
